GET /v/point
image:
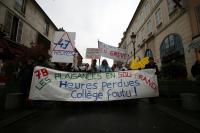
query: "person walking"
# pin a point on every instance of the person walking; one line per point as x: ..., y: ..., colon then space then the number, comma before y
x: 25, y: 77
x: 152, y: 65
x: 104, y: 67
x: 94, y: 67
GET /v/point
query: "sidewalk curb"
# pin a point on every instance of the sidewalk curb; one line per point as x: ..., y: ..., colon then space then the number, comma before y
x: 180, y: 116
x: 16, y: 118
x: 176, y: 114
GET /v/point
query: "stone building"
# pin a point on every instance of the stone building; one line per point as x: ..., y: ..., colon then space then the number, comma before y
x: 25, y: 30
x: 24, y: 22
x: 166, y: 30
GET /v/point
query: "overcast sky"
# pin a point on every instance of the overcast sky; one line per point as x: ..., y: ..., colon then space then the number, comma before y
x: 92, y: 20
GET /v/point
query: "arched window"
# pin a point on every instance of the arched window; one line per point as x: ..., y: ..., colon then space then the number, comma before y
x: 172, y: 49
x: 172, y: 58
x: 148, y: 53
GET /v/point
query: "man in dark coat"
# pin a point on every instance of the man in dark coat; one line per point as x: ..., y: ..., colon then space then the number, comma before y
x: 196, y: 70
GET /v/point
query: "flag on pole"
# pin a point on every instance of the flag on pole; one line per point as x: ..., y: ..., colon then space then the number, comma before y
x: 112, y: 52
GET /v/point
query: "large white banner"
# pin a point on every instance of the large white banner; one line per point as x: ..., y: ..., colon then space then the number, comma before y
x: 63, y: 47
x: 49, y: 84
x: 92, y: 53
x: 111, y: 52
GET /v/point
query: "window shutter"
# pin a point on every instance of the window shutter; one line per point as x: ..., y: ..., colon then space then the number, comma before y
x: 24, y: 6
x: 19, y: 31
x: 8, y: 22
x: 198, y: 16
x: 20, y: 5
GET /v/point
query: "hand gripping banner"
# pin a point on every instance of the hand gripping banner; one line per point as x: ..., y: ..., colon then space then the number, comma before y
x: 49, y: 84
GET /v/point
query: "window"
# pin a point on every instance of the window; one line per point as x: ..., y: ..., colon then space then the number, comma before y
x: 8, y: 22
x: 156, y: 1
x: 147, y: 8
x: 13, y: 27
x: 141, y: 17
x: 197, y: 11
x: 149, y: 27
x: 171, y: 6
x: 1, y: 66
x: 170, y: 45
x: 46, y: 28
x: 19, y: 31
x: 20, y: 5
x: 148, y: 53
x: 143, y: 34
x: 158, y: 17
x: 172, y: 40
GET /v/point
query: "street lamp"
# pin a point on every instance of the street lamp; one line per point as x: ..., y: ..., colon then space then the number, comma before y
x: 133, y: 37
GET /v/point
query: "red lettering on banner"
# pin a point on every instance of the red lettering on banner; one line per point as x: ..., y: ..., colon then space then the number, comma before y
x: 149, y: 82
x: 118, y: 54
x: 124, y: 74
x: 44, y: 72
x: 41, y: 73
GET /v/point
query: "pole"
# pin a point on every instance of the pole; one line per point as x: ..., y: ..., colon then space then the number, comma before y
x: 133, y: 49
x: 100, y: 56
x: 99, y: 62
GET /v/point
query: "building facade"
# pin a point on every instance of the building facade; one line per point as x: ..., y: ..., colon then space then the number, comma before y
x: 24, y: 22
x: 164, y: 30
x: 24, y: 26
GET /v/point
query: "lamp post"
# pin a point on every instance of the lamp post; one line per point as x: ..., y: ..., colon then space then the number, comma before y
x: 133, y: 37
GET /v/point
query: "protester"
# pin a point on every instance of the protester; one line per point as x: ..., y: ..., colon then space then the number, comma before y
x: 25, y: 78
x: 152, y: 65
x: 41, y: 61
x: 124, y: 68
x: 93, y: 67
x: 114, y: 66
x: 118, y: 67
x: 87, y: 66
x: 104, y: 67
x: 84, y: 67
x: 69, y: 67
x: 196, y: 70
x: 127, y: 66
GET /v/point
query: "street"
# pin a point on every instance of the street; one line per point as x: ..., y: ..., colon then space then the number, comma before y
x: 112, y: 117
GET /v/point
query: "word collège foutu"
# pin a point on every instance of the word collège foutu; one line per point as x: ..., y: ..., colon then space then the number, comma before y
x: 53, y: 85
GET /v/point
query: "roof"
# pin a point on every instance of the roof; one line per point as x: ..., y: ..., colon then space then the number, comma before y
x: 40, y: 8
x: 133, y: 18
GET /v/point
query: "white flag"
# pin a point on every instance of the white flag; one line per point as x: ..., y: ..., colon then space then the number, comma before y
x: 111, y: 52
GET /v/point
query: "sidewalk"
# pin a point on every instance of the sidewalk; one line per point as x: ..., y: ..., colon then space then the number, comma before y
x: 12, y: 116
x: 171, y: 106
x: 174, y: 108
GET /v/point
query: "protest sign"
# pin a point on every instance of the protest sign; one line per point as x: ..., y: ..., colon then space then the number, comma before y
x: 49, y: 84
x: 63, y: 47
x: 92, y: 53
x: 111, y: 52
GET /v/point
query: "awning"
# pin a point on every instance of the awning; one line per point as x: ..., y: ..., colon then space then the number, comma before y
x: 3, y: 44
x: 7, y: 48
x: 195, y: 43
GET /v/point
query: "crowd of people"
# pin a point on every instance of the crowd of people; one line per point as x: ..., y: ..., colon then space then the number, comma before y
x: 85, y: 67
x: 24, y: 71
